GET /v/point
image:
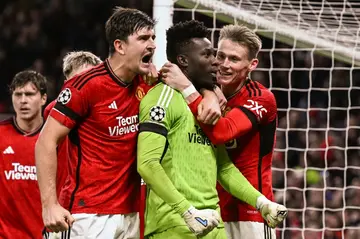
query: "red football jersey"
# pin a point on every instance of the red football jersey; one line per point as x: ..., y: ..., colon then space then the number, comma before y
x: 48, y: 108
x: 249, y: 144
x: 102, y: 113
x: 20, y: 205
x: 62, y: 167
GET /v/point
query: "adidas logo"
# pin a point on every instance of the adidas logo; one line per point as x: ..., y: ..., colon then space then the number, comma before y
x: 8, y: 150
x: 113, y: 105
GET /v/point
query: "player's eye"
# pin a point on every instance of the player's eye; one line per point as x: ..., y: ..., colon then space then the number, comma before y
x: 234, y: 59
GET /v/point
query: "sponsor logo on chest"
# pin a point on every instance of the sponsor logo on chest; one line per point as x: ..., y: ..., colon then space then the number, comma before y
x: 125, y: 125
x: 198, y: 137
x: 21, y: 172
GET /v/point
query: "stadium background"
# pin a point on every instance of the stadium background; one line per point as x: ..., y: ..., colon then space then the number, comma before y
x: 323, y: 202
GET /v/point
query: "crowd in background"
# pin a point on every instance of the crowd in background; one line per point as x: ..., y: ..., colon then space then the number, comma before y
x: 316, y: 164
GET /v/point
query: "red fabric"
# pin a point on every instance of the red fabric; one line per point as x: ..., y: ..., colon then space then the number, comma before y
x: 20, y: 205
x: 235, y: 124
x: 244, y: 144
x: 103, y: 115
x: 48, y: 108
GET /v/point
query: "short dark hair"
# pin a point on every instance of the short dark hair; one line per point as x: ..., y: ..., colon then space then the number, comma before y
x: 124, y: 22
x: 24, y: 77
x: 179, y: 36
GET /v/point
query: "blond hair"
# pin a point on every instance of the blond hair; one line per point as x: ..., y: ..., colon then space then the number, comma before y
x: 77, y: 59
x: 243, y: 36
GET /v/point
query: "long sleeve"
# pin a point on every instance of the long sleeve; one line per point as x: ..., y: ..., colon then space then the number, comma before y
x: 233, y: 181
x: 157, y: 117
x: 237, y: 122
x: 151, y: 147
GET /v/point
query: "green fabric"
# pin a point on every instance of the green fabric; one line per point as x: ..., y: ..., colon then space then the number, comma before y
x: 183, y: 232
x: 189, y: 163
x: 152, y: 147
x: 179, y: 164
x: 234, y: 181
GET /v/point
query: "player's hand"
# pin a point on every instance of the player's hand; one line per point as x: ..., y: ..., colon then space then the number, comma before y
x: 209, y: 110
x: 201, y: 222
x: 152, y: 76
x: 174, y: 77
x: 272, y: 212
x: 56, y: 218
x: 221, y: 98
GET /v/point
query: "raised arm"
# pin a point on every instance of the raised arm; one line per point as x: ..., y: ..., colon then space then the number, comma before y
x: 238, y: 121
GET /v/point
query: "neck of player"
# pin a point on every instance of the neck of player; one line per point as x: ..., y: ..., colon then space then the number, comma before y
x: 31, y: 125
x: 121, y: 70
x: 231, y: 89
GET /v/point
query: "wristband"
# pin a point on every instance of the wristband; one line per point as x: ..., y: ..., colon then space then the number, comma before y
x: 188, y: 91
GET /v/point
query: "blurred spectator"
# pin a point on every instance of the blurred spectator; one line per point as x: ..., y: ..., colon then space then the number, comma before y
x: 38, y: 33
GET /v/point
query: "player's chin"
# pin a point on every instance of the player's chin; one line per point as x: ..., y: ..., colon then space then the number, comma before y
x: 26, y: 116
x: 144, y: 68
x: 223, y: 80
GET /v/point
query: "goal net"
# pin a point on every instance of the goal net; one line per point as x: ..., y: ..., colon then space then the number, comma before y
x: 310, y: 61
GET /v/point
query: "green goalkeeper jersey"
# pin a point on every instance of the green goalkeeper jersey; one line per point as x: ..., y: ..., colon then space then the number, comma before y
x: 189, y: 163
x: 189, y: 158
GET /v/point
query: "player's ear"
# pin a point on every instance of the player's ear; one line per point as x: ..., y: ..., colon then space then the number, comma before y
x: 119, y: 46
x: 43, y: 99
x: 253, y: 64
x: 182, y: 60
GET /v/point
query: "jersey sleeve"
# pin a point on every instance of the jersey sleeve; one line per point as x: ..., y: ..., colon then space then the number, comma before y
x: 157, y: 111
x: 157, y: 115
x: 48, y: 109
x: 71, y: 106
x: 233, y: 181
x: 257, y: 110
x: 262, y: 107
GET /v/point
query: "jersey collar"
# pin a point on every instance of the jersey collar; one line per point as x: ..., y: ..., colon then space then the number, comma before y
x: 28, y: 134
x: 113, y: 76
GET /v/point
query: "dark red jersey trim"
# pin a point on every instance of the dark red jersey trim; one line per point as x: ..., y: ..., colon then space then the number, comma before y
x: 79, y: 79
x: 114, y: 76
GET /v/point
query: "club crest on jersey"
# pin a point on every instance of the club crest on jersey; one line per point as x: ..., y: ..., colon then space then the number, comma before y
x: 157, y: 113
x: 139, y: 93
x: 64, y: 96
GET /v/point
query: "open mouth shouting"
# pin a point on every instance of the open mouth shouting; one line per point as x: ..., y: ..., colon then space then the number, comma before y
x: 147, y: 58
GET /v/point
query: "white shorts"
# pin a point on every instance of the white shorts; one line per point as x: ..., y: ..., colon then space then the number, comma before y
x: 245, y: 230
x: 95, y: 226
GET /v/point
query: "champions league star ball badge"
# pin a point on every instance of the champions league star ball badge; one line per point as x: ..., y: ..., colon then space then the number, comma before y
x: 157, y: 113
x: 64, y: 96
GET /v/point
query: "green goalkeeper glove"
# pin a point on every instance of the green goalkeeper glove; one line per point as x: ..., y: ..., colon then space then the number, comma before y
x: 272, y: 212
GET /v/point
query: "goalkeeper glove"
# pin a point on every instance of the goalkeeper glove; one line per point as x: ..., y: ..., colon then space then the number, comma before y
x: 201, y: 222
x: 272, y: 212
